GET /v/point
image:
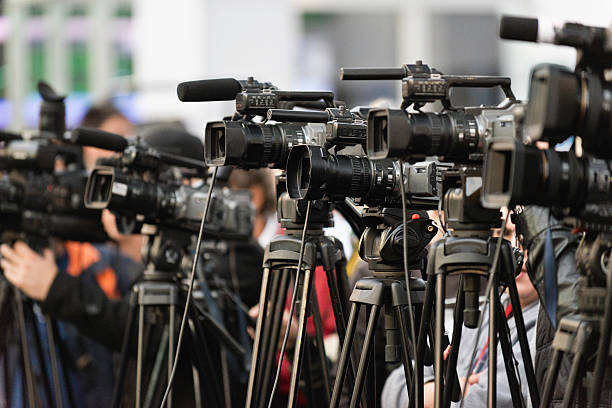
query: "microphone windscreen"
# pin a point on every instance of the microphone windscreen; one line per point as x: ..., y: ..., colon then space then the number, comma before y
x: 208, y: 90
x: 519, y: 28
x: 85, y: 136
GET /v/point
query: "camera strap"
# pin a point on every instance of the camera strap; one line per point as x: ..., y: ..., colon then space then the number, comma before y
x: 550, y: 277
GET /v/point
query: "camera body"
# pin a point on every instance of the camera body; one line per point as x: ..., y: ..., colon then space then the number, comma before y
x: 43, y: 181
x: 147, y: 187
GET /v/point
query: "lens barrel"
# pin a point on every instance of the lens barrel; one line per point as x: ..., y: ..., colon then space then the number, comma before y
x: 253, y: 145
x: 517, y: 174
x: 314, y: 173
x: 397, y: 134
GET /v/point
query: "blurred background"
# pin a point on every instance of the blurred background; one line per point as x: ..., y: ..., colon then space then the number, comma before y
x: 135, y: 52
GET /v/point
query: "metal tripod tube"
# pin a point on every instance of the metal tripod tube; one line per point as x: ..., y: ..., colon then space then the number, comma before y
x: 363, y: 360
x: 40, y: 355
x: 438, y: 352
x: 344, y: 356
x: 400, y: 315
x: 416, y: 397
x: 271, y: 333
x: 316, y: 317
x: 603, y: 347
x: 451, y: 364
x: 27, y: 362
x: 139, y: 355
x: 63, y: 357
x: 504, y: 341
x: 255, y: 359
x: 129, y: 327
x: 577, y: 368
x: 534, y: 394
x: 551, y: 378
x: 492, y: 356
x: 306, y: 287
x: 171, y: 348
x: 53, y: 357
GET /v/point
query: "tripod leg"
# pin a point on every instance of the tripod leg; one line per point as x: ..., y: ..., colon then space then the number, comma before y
x: 255, y: 359
x: 273, y: 332
x: 40, y: 355
x: 25, y: 350
x: 140, y: 354
x: 363, y: 361
x: 492, y: 356
x: 155, y: 373
x: 416, y: 397
x: 118, y: 387
x: 171, y: 346
x: 406, y: 360
x: 53, y: 356
x: 320, y: 347
x: 439, y: 331
x: 603, y: 347
x: 534, y: 394
x: 453, y: 391
x: 306, y: 287
x: 551, y: 378
x: 63, y: 358
x: 506, y: 346
x: 344, y: 356
x: 578, y: 365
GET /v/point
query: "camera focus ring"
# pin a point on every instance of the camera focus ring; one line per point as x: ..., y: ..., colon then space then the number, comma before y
x: 360, y: 177
x: 268, y: 146
x: 436, y: 133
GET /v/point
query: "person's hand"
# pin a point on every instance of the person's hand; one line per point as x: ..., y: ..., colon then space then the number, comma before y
x: 472, y: 379
x: 293, y: 332
x: 27, y: 270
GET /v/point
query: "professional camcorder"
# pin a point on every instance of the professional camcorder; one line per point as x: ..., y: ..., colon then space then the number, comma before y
x: 561, y: 104
x: 245, y: 142
x: 144, y: 185
x: 42, y: 182
x: 454, y: 135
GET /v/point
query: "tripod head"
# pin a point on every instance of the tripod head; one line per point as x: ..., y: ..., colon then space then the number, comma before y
x: 164, y: 251
x: 382, y: 243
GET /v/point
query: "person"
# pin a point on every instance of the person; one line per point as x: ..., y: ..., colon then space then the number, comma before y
x: 102, y: 265
x: 395, y: 393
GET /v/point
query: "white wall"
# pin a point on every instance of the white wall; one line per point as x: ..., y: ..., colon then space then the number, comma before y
x: 196, y: 39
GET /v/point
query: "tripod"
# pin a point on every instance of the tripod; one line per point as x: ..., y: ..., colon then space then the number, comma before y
x: 15, y: 307
x: 381, y: 246
x: 471, y: 257
x: 156, y: 302
x: 281, y: 261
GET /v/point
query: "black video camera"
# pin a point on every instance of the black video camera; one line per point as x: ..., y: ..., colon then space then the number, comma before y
x: 43, y: 181
x: 565, y: 102
x: 244, y: 142
x: 146, y: 187
x: 454, y: 135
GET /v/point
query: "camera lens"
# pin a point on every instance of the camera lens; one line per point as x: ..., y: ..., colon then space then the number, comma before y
x: 313, y: 173
x: 395, y: 133
x: 517, y: 174
x: 98, y: 190
x: 254, y: 145
x: 563, y: 104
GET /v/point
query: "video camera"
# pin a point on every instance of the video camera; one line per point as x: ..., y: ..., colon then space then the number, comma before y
x: 244, y: 142
x: 561, y: 104
x: 454, y: 135
x: 42, y: 182
x: 144, y: 185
